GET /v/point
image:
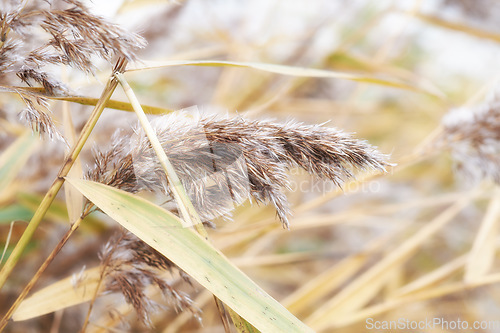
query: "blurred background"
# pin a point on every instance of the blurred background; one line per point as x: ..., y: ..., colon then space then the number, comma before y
x: 414, y: 244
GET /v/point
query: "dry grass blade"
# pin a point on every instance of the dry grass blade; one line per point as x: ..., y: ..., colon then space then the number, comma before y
x: 163, y: 231
x: 459, y: 27
x: 482, y: 255
x: 114, y: 104
x: 426, y: 294
x: 74, y: 200
x: 84, y: 100
x: 71, y: 291
x: 304, y: 298
x: 13, y: 158
x: 432, y: 278
x: 362, y: 289
x: 291, y: 71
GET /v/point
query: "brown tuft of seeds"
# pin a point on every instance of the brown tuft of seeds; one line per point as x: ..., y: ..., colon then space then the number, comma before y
x: 130, y: 265
x: 34, y: 34
x: 473, y: 136
x: 234, y: 159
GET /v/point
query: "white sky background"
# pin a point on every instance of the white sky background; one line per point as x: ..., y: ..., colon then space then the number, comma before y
x: 452, y: 53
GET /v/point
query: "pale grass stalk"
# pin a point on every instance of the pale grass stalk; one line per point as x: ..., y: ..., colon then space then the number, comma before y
x: 276, y: 259
x: 428, y: 294
x: 58, y: 182
x: 190, y: 217
x: 362, y: 289
x: 321, y: 200
x: 237, y: 234
x: 39, y: 273
x: 254, y: 232
x: 50, y: 196
x: 7, y: 240
x: 482, y: 255
x: 394, y: 281
x: 430, y: 279
x: 188, y: 212
x: 74, y: 199
x: 310, y: 293
x: 468, y: 29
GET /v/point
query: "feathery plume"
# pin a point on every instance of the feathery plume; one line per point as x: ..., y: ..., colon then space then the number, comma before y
x: 473, y: 135
x: 38, y: 115
x: 34, y: 34
x: 131, y: 265
x: 245, y: 159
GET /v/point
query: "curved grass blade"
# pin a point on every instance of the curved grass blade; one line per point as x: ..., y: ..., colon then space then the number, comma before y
x: 192, y: 253
x: 459, y: 27
x: 113, y: 104
x: 60, y: 295
x: 292, y: 71
x: 14, y: 157
x: 14, y: 212
x: 84, y: 100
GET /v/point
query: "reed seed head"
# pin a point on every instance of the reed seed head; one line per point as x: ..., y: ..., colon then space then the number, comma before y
x: 473, y: 136
x: 223, y: 161
x: 130, y: 266
x: 35, y: 34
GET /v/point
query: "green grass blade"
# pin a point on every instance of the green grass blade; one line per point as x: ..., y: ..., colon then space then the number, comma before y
x: 13, y: 213
x: 14, y: 158
x: 163, y: 231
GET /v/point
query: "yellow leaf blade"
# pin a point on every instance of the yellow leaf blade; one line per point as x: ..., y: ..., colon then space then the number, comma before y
x: 60, y: 295
x: 14, y: 157
x: 163, y: 231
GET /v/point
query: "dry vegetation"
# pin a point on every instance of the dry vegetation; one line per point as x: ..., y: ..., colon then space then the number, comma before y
x: 340, y: 232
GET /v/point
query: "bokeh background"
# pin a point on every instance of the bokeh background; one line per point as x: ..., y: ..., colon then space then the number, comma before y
x: 417, y: 243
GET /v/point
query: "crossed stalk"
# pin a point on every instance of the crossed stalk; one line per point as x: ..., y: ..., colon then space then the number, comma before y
x: 190, y: 216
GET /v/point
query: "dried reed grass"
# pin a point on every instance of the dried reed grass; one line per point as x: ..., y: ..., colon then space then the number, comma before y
x: 36, y: 34
x: 210, y: 147
x: 372, y: 265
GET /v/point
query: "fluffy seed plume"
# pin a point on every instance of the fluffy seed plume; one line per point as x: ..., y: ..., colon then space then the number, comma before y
x: 234, y: 159
x: 36, y: 33
x: 38, y: 115
x: 130, y: 266
x: 473, y: 135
